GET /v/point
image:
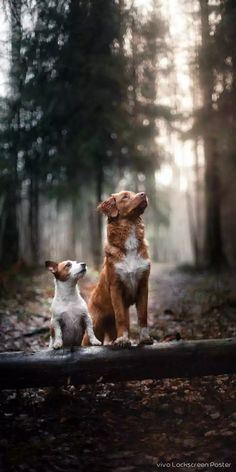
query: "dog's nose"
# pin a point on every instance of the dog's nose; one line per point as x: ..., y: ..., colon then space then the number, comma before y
x: 83, y: 264
x: 142, y: 194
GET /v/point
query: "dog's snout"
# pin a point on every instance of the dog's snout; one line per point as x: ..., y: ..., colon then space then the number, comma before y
x: 83, y: 265
x: 142, y: 194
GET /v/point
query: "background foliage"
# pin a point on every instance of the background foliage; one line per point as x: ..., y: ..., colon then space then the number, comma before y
x: 83, y: 112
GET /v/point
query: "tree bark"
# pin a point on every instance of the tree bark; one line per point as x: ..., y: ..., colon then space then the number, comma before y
x: 34, y: 218
x: 213, y: 237
x: 97, y: 241
x: 108, y: 364
x: 10, y: 231
x: 10, y: 236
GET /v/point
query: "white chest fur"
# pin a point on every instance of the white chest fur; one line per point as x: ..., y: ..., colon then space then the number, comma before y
x: 131, y: 268
x: 68, y: 299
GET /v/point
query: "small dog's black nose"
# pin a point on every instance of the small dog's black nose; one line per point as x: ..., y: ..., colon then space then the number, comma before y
x: 83, y: 264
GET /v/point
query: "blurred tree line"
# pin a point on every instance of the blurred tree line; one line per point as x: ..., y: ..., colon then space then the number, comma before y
x: 215, y: 123
x: 80, y: 111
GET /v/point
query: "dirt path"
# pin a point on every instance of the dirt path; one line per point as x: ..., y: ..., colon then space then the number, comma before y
x: 125, y: 427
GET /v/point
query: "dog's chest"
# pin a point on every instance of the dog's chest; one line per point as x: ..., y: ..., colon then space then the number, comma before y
x: 132, y: 266
x: 69, y: 313
x: 73, y: 304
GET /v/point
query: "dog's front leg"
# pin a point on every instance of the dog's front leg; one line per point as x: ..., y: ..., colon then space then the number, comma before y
x: 90, y: 333
x: 121, y: 317
x: 141, y: 305
x: 50, y: 343
x: 57, y: 342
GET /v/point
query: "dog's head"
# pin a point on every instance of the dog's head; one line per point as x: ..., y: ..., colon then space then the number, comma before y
x: 124, y: 204
x: 67, y: 270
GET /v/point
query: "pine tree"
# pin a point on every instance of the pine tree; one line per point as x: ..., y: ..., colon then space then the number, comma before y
x: 11, y: 142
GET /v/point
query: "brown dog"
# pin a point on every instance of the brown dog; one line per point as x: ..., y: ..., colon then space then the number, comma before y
x: 124, y: 277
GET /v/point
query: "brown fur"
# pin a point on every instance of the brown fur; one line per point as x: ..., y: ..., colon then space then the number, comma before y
x: 110, y: 300
x: 60, y: 270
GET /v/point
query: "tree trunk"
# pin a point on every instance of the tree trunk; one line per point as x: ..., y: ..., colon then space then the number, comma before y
x: 34, y: 219
x: 10, y: 236
x: 192, y: 229
x: 154, y: 216
x: 97, y: 240
x: 213, y: 237
x: 10, y: 233
x: 105, y: 364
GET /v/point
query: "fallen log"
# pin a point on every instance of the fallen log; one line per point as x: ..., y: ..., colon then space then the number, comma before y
x: 109, y: 364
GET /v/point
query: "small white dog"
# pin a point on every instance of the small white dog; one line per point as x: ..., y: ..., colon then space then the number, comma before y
x: 70, y: 317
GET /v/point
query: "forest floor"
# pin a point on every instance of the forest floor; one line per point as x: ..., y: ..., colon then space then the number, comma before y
x: 131, y: 426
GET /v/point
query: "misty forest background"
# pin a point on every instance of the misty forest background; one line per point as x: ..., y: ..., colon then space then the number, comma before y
x: 104, y: 95
x: 97, y: 96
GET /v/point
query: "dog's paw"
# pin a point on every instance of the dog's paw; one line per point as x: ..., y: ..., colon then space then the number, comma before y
x: 57, y: 344
x: 95, y: 342
x: 122, y: 341
x: 145, y: 338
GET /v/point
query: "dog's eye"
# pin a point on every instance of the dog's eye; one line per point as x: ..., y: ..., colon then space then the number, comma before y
x: 68, y: 265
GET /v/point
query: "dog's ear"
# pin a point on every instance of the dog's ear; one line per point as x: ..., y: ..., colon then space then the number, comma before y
x: 109, y: 207
x: 52, y: 266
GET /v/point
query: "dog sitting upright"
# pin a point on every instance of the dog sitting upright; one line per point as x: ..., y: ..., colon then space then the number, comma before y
x: 124, y: 277
x: 70, y: 317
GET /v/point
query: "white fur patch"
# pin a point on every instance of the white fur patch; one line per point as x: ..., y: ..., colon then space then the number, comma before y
x: 132, y: 242
x: 131, y: 268
x: 123, y: 340
x: 76, y: 269
x: 70, y: 317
